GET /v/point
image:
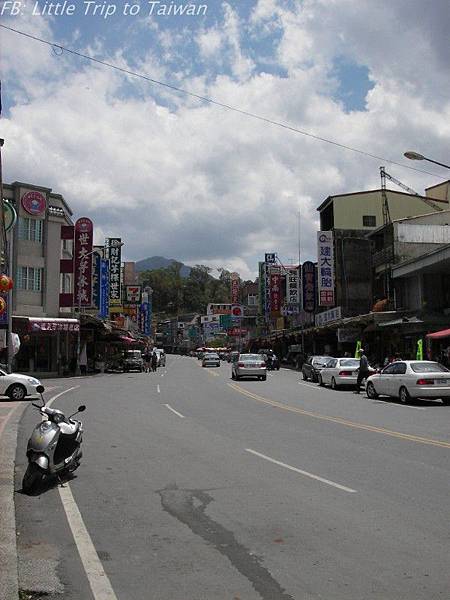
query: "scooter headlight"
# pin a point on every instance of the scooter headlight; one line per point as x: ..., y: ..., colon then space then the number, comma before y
x: 45, y: 426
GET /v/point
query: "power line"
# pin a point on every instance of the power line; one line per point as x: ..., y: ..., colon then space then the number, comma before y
x: 212, y: 101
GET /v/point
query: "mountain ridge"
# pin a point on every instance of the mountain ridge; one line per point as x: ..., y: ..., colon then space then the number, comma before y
x: 160, y: 262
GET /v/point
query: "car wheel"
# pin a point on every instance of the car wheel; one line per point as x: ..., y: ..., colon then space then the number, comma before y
x: 334, y: 385
x: 403, y: 395
x: 371, y: 391
x: 304, y: 377
x: 17, y: 392
x: 232, y: 375
x: 446, y: 401
x: 321, y: 383
x: 264, y: 377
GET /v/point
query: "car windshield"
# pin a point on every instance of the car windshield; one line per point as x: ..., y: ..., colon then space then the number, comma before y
x: 428, y: 367
x: 349, y: 362
x: 134, y: 354
x: 321, y: 360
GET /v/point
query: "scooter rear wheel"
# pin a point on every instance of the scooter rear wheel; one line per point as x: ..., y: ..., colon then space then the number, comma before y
x: 33, y: 478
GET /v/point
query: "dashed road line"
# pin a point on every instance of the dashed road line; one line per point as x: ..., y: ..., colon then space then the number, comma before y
x: 397, y: 434
x: 301, y: 472
x: 174, y: 411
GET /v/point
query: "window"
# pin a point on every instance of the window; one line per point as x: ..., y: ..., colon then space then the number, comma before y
x: 66, y: 283
x: 369, y: 221
x: 30, y: 278
x: 399, y: 368
x: 252, y: 300
x: 30, y: 229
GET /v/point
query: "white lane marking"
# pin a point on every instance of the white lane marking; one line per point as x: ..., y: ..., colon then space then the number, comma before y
x: 157, y: 387
x: 98, y: 580
x: 50, y: 402
x: 311, y: 475
x: 174, y: 411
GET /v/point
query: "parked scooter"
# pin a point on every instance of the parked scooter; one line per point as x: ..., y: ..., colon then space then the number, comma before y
x: 54, y: 448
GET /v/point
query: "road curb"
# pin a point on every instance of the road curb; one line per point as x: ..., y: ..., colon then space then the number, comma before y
x: 9, y: 586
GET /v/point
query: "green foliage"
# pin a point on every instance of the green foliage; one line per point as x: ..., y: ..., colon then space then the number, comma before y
x: 173, y: 294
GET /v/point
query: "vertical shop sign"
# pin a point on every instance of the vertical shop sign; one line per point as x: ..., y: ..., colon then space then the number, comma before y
x: 325, y: 259
x: 261, y: 289
x: 292, y: 302
x: 309, y: 286
x: 115, y: 262
x: 84, y: 231
x: 234, y: 288
x: 96, y: 258
x: 275, y: 290
x: 267, y: 288
x: 104, y: 289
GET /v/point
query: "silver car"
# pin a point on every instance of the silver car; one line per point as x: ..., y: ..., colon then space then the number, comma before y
x: 211, y: 359
x: 339, y: 372
x: 407, y: 379
x: 249, y: 365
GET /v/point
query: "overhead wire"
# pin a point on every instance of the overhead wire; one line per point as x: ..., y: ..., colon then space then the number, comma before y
x: 211, y: 101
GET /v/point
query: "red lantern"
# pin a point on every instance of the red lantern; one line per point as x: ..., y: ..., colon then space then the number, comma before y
x: 6, y: 283
x: 2, y: 305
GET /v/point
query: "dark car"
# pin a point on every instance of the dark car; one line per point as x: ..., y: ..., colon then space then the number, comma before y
x: 312, y: 367
x: 133, y: 361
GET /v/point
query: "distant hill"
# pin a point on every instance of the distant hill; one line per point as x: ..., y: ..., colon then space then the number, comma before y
x: 159, y: 262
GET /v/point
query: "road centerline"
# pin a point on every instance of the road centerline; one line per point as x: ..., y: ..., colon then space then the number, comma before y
x: 389, y: 432
x: 301, y: 472
x: 174, y: 411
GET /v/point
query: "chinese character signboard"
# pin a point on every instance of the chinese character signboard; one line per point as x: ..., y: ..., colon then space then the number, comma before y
x: 309, y: 286
x: 84, y: 231
x: 267, y: 289
x: 270, y: 258
x: 133, y: 294
x: 115, y: 263
x: 325, y: 259
x: 275, y: 290
x: 328, y: 316
x: 104, y: 289
x: 262, y: 289
x: 96, y: 258
x: 234, y: 288
x: 291, y: 303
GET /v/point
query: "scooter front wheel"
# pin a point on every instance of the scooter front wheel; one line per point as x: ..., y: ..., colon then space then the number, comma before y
x: 33, y: 478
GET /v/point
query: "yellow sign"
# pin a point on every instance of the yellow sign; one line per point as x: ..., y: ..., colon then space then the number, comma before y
x: 358, y: 348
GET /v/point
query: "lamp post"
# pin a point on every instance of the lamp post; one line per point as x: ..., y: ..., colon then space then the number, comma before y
x: 416, y: 156
x: 80, y: 271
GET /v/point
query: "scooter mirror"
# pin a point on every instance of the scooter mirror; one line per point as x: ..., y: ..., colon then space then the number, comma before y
x: 81, y: 408
x: 40, y: 389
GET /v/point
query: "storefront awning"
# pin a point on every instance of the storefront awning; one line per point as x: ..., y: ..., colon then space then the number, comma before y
x: 37, y: 324
x: 128, y: 340
x: 439, y: 334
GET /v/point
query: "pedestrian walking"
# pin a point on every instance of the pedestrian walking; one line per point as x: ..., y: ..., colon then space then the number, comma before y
x: 147, y: 360
x: 154, y: 361
x: 363, y: 371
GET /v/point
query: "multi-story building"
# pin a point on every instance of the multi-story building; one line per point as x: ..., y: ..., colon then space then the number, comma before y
x: 351, y: 217
x: 36, y: 248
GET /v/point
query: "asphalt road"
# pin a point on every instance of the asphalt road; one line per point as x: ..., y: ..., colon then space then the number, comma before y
x: 195, y: 487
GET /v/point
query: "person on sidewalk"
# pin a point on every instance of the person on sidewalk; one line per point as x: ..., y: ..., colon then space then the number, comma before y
x: 147, y: 360
x: 154, y: 361
x: 363, y: 372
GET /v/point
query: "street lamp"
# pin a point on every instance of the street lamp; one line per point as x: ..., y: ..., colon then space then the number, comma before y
x: 416, y: 156
x: 80, y: 272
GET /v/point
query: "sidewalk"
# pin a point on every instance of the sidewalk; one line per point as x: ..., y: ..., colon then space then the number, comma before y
x: 10, y: 415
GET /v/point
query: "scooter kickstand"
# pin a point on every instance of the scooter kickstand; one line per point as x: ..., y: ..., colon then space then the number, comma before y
x: 60, y: 481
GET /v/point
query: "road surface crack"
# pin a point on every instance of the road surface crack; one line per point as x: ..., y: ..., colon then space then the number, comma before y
x: 188, y: 507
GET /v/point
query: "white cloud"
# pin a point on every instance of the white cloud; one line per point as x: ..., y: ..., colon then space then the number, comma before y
x: 184, y: 179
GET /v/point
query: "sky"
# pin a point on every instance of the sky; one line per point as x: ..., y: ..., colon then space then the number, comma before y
x: 179, y: 177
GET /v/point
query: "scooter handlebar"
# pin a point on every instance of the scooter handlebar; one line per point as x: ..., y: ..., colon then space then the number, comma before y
x: 36, y: 405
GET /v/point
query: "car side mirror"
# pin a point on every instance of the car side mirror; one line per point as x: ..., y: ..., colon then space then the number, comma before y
x: 40, y: 389
x: 81, y: 408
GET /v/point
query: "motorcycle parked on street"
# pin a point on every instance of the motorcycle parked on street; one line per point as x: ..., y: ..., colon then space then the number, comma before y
x: 54, y: 448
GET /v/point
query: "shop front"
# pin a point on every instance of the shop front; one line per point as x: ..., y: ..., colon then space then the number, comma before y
x: 47, y: 346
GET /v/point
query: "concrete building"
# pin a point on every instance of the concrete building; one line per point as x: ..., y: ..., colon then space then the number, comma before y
x: 36, y: 248
x: 350, y: 217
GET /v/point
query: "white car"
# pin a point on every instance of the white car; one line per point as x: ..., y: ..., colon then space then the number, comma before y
x: 339, y: 372
x: 211, y: 359
x: 407, y: 379
x: 18, y: 386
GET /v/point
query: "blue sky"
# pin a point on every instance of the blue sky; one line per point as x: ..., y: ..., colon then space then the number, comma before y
x: 180, y: 178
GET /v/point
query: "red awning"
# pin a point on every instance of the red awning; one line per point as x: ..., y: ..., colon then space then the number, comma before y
x: 128, y: 340
x: 437, y: 335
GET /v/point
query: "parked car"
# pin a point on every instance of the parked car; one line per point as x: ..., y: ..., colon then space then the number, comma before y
x: 18, y: 386
x: 133, y: 361
x: 249, y: 365
x: 211, y: 359
x: 161, y: 357
x: 312, y: 367
x: 339, y: 372
x: 407, y: 379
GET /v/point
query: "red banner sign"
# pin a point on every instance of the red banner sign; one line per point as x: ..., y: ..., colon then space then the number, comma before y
x: 84, y: 236
x: 234, y: 288
x: 275, y: 292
